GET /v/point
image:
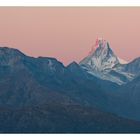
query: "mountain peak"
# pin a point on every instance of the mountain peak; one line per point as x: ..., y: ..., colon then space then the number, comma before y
x: 73, y: 65
x: 99, y: 43
x: 103, y: 63
x: 10, y: 56
x: 102, y: 57
x: 101, y: 60
x: 10, y: 51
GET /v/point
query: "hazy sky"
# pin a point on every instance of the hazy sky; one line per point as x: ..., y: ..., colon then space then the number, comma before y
x: 68, y: 33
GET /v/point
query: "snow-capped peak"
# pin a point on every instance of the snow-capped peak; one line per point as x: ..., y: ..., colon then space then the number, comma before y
x: 104, y: 64
x: 102, y: 58
x: 100, y: 42
x: 101, y: 61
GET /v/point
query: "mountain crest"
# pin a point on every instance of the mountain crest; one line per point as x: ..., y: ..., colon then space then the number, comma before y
x: 10, y: 51
x: 102, y: 58
x: 102, y: 61
x: 100, y: 42
x: 10, y: 56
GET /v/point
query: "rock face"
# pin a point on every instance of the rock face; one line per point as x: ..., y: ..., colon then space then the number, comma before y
x: 26, y: 81
x: 102, y: 59
x: 103, y: 63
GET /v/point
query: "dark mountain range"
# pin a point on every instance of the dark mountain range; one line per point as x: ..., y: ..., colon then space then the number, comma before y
x: 42, y: 95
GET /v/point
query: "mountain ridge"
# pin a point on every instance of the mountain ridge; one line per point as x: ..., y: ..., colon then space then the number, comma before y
x: 29, y: 82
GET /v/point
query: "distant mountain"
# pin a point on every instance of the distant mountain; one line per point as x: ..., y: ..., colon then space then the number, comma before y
x: 43, y: 95
x: 104, y: 64
x: 102, y: 59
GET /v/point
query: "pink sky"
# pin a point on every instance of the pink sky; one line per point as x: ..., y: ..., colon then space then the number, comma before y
x: 68, y: 33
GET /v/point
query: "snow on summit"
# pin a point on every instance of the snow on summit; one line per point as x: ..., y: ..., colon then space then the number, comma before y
x: 101, y: 58
x: 99, y: 42
x: 102, y: 61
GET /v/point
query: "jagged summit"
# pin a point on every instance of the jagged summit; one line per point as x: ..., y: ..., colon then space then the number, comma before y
x: 102, y: 58
x: 100, y: 42
x: 104, y: 63
x: 104, y: 46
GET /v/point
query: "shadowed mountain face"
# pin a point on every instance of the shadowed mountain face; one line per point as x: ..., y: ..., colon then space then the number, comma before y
x: 43, y: 95
x: 26, y: 81
x: 131, y: 92
x: 23, y: 79
x: 56, y: 118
